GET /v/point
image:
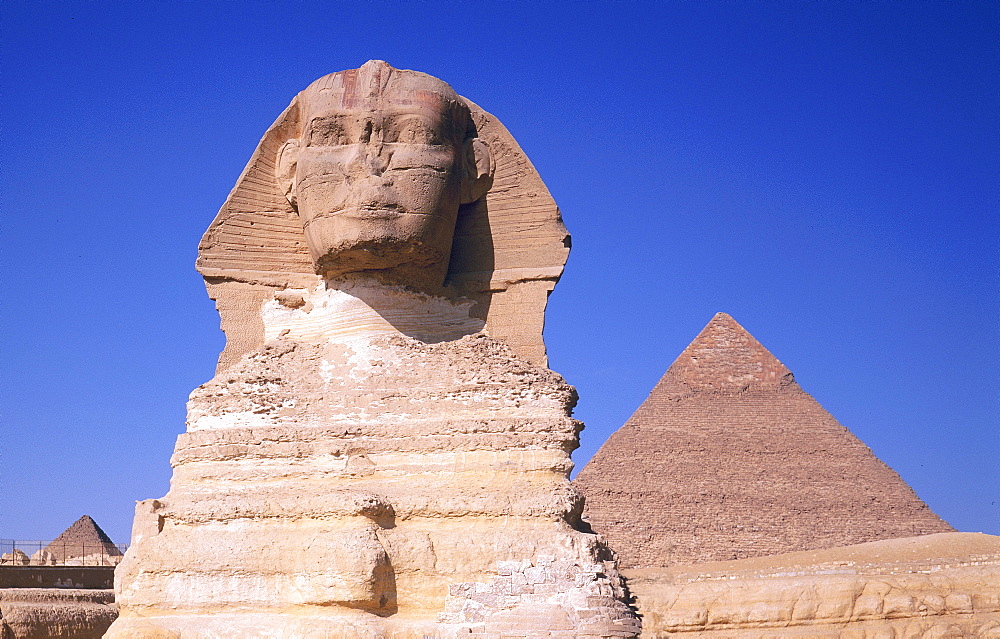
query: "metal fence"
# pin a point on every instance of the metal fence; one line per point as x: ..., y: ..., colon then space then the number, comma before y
x: 21, y: 552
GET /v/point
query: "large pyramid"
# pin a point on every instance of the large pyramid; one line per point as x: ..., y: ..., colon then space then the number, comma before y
x: 729, y: 458
x: 81, y: 540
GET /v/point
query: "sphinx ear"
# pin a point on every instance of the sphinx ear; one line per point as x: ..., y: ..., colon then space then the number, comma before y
x: 284, y: 168
x: 479, y: 169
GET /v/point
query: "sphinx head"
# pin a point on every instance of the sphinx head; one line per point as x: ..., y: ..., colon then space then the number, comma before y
x: 383, y: 161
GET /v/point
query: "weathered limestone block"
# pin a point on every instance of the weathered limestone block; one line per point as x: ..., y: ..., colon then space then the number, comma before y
x: 43, y: 557
x: 16, y: 557
x: 41, y: 613
x: 378, y: 445
x: 942, y: 585
x: 563, y: 598
x: 96, y: 559
x: 373, y: 474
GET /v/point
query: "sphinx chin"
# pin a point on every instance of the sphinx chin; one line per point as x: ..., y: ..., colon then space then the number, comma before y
x: 404, y: 248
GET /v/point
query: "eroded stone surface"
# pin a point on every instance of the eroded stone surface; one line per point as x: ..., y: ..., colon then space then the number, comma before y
x: 370, y: 473
x: 43, y: 613
x: 941, y: 585
x: 507, y: 245
x: 729, y: 458
x: 16, y: 557
x: 377, y: 447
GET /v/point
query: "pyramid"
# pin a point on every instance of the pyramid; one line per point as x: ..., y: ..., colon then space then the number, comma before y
x: 83, y: 539
x: 728, y: 458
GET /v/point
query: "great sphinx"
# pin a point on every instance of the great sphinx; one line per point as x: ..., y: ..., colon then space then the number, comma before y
x: 382, y: 451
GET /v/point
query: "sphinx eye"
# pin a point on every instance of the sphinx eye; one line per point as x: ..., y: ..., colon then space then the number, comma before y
x: 416, y: 131
x: 327, y: 133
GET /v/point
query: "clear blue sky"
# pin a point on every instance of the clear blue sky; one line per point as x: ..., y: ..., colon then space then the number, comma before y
x: 825, y: 172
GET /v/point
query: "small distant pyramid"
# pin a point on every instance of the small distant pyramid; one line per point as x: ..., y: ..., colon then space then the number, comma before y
x: 728, y: 458
x: 83, y: 539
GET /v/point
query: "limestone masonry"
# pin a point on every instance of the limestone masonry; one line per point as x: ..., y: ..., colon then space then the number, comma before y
x: 382, y: 451
x: 729, y: 458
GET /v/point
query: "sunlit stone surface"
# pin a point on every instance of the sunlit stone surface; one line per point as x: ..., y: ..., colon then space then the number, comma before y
x: 382, y: 451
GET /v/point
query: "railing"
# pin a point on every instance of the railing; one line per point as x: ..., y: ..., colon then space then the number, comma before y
x: 20, y: 552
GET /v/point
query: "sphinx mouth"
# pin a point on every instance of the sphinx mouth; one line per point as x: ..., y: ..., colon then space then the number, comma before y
x: 366, y: 211
x: 374, y: 210
x: 379, y: 207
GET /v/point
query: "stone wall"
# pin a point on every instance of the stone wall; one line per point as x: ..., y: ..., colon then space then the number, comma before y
x: 98, y: 577
x: 564, y: 598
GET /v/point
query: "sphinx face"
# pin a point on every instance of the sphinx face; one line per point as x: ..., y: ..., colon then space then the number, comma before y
x: 378, y: 173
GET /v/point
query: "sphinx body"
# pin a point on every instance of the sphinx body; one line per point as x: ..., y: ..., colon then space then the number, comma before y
x: 382, y: 451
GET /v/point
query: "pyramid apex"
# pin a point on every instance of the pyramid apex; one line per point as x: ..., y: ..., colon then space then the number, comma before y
x: 724, y: 357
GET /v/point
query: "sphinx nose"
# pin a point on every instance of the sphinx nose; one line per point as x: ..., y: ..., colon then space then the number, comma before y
x: 377, y: 158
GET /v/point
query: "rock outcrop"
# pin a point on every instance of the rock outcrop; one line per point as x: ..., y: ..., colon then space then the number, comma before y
x: 729, y: 458
x: 44, y: 613
x: 382, y: 451
x: 16, y: 557
x: 43, y: 558
x: 941, y: 585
